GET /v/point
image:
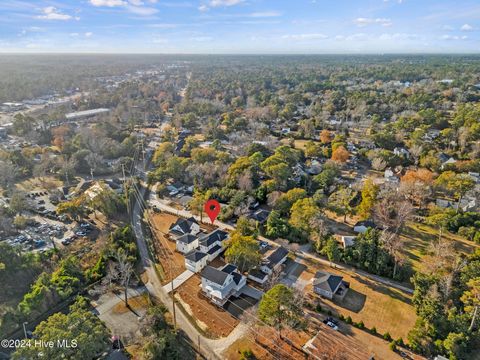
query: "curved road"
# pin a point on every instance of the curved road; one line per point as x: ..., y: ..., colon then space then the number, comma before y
x: 211, y: 349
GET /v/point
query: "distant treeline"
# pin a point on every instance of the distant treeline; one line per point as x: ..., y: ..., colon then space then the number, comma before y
x: 29, y: 76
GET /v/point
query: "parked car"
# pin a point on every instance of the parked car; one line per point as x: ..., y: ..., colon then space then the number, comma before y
x: 332, y: 325
x: 330, y: 319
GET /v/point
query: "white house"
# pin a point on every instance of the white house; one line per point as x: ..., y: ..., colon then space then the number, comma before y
x: 195, y: 261
x: 184, y: 226
x: 219, y: 284
x: 326, y: 284
x: 445, y: 203
x: 348, y: 241
x: 258, y: 276
x: 212, y: 243
x: 450, y: 160
x: 187, y: 243
x: 274, y: 260
x: 401, y: 152
x: 390, y: 176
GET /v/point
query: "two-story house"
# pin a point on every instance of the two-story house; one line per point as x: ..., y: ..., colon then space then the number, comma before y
x: 184, y: 226
x: 219, y: 284
x: 274, y: 260
x: 186, y: 243
x: 212, y: 243
x: 195, y: 261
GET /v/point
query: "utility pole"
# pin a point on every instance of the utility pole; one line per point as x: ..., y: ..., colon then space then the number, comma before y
x: 25, y: 329
x: 143, y: 154
x: 127, y: 200
x: 173, y: 304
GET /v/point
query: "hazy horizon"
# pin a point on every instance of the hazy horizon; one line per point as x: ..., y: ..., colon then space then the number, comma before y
x: 240, y: 27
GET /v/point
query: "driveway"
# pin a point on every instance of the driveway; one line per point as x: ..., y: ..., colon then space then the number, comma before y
x: 179, y: 280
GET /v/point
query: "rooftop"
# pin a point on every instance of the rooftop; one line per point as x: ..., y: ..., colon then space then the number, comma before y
x: 214, y: 275
x: 327, y: 281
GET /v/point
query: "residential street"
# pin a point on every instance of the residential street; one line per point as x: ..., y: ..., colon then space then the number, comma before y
x: 212, y: 349
x: 300, y: 253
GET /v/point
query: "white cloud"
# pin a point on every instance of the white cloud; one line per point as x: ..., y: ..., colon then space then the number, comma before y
x: 265, y: 14
x: 398, y: 36
x: 74, y: 34
x: 218, y: 3
x: 88, y: 34
x: 52, y: 13
x: 454, y: 37
x: 305, y: 37
x: 202, y: 38
x: 164, y: 25
x: 159, y: 40
x: 109, y: 3
x: 353, y: 37
x: 140, y: 10
x: 368, y: 21
x: 448, y: 27
x: 466, y: 27
x: 134, y: 6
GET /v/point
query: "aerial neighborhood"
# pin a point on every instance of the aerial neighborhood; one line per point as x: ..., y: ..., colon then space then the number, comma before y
x: 346, y: 224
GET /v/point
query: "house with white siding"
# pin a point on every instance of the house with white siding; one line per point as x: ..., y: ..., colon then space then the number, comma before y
x: 195, y: 261
x: 184, y: 226
x: 219, y: 284
x: 274, y: 260
x: 213, y: 243
x: 186, y: 243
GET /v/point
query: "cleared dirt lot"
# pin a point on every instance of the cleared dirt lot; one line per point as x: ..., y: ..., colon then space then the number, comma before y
x: 265, y: 344
x: 214, y: 321
x: 171, y: 261
x: 375, y: 304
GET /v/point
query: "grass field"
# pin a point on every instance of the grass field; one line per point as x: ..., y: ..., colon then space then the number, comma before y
x: 369, y: 301
x: 418, y: 238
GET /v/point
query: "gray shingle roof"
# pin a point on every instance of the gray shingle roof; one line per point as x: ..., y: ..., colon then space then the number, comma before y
x: 214, y: 275
x: 184, y: 224
x: 187, y: 238
x: 275, y: 257
x: 214, y: 249
x: 195, y: 255
x: 327, y: 281
x: 213, y: 237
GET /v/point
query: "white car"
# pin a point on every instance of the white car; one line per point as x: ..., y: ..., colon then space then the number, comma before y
x: 332, y: 325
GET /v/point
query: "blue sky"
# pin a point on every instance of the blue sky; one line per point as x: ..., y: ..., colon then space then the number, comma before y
x: 240, y: 26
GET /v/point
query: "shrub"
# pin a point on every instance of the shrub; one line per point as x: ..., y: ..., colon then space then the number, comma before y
x: 393, y: 346
x: 348, y: 320
x: 329, y: 312
x: 319, y: 308
x: 360, y: 325
x: 247, y: 355
x: 341, y: 317
x: 400, y: 342
x: 387, y: 336
x: 373, y: 330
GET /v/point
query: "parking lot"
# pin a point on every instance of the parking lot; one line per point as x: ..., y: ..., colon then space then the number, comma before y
x: 43, y: 233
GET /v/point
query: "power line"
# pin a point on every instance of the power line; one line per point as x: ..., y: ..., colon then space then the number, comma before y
x: 177, y: 268
x: 144, y: 205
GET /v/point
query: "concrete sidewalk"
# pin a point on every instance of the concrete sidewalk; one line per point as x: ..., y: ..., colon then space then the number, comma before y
x: 179, y: 280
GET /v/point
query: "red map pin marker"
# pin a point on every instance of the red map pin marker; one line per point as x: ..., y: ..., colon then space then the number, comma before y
x: 212, y: 208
